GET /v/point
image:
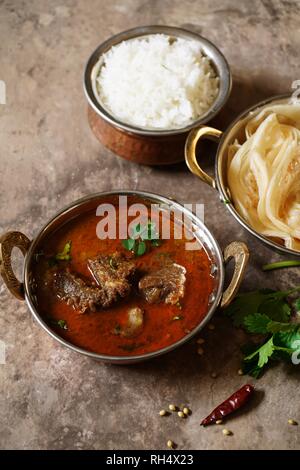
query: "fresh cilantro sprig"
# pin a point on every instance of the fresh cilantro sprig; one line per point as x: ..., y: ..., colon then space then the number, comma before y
x: 267, y: 301
x: 64, y: 255
x: 261, y: 323
x: 141, y: 237
x: 266, y: 312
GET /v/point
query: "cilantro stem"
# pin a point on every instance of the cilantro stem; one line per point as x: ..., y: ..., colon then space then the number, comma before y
x: 280, y: 265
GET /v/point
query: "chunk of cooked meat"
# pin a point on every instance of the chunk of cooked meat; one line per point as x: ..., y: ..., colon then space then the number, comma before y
x: 76, y: 292
x: 112, y: 273
x: 135, y: 321
x: 165, y: 285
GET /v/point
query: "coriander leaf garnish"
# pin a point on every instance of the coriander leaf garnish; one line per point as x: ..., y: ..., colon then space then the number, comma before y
x: 261, y: 324
x: 251, y: 368
x: 140, y: 248
x: 279, y: 327
x: 61, y: 323
x: 244, y: 305
x: 65, y: 254
x: 136, y: 232
x: 266, y: 312
x: 297, y: 305
x: 257, y: 323
x: 265, y: 301
x: 145, y: 232
x: 264, y: 353
x: 276, y: 308
x: 140, y: 235
x: 129, y: 244
x: 287, y: 342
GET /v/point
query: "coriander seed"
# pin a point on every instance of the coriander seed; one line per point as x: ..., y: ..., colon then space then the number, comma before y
x: 170, y: 444
x: 172, y: 407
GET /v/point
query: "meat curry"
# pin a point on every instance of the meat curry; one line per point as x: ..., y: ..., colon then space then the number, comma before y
x: 119, y: 297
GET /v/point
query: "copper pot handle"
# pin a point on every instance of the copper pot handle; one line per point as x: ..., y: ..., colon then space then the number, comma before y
x: 8, y: 241
x: 239, y: 251
x: 190, y: 151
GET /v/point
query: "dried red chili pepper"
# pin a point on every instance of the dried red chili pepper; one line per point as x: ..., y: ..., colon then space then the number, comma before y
x: 234, y: 402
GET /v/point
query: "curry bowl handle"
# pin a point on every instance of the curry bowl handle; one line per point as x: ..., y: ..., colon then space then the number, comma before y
x: 8, y: 241
x: 240, y: 253
x: 190, y: 151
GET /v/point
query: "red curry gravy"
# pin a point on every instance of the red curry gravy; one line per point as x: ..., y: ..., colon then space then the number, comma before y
x: 164, y: 324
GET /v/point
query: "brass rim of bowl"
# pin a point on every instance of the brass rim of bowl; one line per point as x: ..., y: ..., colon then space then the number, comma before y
x: 220, y: 179
x: 209, y: 49
x: 207, y: 237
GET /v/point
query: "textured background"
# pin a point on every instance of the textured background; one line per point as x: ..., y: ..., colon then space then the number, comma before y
x: 51, y: 397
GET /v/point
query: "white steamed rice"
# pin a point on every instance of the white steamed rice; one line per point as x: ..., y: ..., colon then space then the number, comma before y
x: 155, y: 83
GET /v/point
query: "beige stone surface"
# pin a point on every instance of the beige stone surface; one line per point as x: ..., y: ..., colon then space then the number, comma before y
x: 50, y: 397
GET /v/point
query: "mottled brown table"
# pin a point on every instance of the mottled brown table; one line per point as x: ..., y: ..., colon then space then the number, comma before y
x: 50, y: 396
